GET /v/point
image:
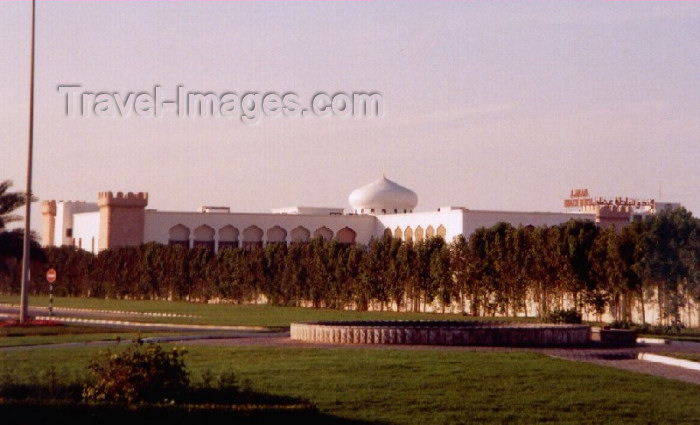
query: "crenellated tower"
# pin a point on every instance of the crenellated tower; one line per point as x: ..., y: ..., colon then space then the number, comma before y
x: 48, y: 214
x: 122, y: 218
x: 617, y: 216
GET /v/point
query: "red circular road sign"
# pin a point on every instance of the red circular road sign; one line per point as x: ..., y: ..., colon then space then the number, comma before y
x: 51, y: 275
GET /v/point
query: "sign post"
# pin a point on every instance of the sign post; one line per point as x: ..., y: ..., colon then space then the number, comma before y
x: 51, y: 278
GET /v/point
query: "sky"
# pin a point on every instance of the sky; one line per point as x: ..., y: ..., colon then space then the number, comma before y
x: 485, y: 104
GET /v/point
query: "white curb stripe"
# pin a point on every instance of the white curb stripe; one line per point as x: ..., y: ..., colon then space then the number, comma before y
x: 150, y: 325
x: 90, y: 310
x: 653, y: 341
x: 687, y: 364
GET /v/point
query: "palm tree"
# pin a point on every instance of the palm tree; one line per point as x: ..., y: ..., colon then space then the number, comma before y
x: 11, y: 241
x: 8, y: 203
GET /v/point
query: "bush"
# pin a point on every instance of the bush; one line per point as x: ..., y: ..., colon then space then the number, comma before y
x: 622, y: 324
x: 564, y: 316
x: 672, y: 329
x: 141, y: 373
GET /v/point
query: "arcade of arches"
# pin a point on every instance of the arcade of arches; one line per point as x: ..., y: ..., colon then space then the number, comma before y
x: 214, y: 240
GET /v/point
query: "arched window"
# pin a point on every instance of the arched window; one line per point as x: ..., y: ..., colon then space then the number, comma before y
x: 179, y: 235
x: 252, y: 236
x: 408, y: 234
x: 323, y: 232
x: 204, y: 238
x: 300, y: 234
x: 419, y: 234
x: 276, y: 235
x: 228, y: 237
x: 346, y: 235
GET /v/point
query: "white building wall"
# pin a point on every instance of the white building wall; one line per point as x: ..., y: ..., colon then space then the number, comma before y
x: 158, y: 223
x: 451, y: 220
x: 83, y: 220
x: 476, y: 219
x: 308, y: 210
x: 86, y: 230
x: 65, y: 211
x: 461, y: 221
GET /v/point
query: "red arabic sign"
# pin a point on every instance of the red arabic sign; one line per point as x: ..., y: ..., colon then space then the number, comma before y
x: 578, y: 198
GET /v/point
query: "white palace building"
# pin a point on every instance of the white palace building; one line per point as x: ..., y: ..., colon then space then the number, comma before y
x: 383, y: 206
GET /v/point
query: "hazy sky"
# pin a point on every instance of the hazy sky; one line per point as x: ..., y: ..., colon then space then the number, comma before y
x: 488, y: 105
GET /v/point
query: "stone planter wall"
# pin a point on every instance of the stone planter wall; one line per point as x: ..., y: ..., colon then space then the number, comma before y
x: 441, y: 333
x: 614, y: 337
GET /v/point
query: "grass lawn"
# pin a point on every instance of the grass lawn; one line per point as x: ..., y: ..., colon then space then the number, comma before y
x: 231, y: 314
x: 426, y: 386
x: 687, y: 335
x: 684, y: 356
x: 22, y: 336
x: 383, y: 385
x: 452, y: 386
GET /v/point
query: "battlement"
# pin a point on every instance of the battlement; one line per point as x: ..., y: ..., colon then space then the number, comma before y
x: 615, y: 211
x: 617, y: 216
x: 121, y: 199
x: 48, y: 207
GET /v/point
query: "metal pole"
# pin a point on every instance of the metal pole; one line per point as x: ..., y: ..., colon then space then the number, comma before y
x: 50, y: 299
x: 28, y: 200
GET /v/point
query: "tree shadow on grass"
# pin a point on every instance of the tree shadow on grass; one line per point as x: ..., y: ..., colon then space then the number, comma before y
x: 39, y: 406
x: 18, y: 412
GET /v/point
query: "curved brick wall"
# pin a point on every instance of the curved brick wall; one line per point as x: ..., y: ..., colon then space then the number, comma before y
x: 441, y: 333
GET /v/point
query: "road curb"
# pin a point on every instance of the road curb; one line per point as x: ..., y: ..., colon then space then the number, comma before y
x: 671, y: 361
x: 124, y: 323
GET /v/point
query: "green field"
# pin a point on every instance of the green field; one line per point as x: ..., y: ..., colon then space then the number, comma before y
x: 380, y: 385
x: 426, y: 386
x: 231, y: 314
x: 684, y: 356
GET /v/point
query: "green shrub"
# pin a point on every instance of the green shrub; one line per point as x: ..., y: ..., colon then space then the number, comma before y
x: 623, y: 324
x: 564, y: 316
x: 672, y: 329
x: 140, y: 373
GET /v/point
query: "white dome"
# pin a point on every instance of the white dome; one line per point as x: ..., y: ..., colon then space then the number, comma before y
x: 383, y: 197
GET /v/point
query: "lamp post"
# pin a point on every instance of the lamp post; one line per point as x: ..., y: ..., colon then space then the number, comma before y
x: 28, y: 199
